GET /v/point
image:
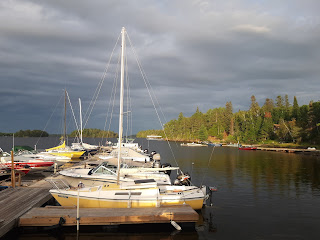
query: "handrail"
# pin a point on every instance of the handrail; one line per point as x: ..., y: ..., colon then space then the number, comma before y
x: 55, y: 184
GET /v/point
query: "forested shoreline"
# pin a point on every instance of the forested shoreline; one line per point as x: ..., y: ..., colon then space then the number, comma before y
x: 276, y: 121
x: 27, y: 133
x: 90, y: 133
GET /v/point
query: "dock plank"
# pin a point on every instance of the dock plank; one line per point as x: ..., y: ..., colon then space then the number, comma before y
x: 108, y: 216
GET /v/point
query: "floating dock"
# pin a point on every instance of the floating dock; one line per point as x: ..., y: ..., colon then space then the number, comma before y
x: 291, y: 150
x: 57, y: 215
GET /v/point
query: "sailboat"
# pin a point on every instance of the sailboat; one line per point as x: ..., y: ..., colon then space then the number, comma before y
x: 81, y: 145
x: 63, y: 150
x: 132, y: 194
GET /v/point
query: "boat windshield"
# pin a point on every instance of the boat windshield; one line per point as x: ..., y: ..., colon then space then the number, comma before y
x: 105, y: 168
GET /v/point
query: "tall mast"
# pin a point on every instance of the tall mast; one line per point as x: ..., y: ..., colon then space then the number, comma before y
x: 80, y: 121
x: 65, y: 115
x: 121, y: 101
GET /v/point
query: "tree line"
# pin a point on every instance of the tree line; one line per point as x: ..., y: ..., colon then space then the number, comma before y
x: 27, y: 133
x: 94, y: 133
x: 276, y: 120
x: 90, y: 133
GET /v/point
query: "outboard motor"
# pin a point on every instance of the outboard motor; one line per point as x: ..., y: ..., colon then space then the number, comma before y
x: 183, y: 179
x: 166, y: 165
x: 156, y: 157
x: 156, y: 164
x: 153, y: 153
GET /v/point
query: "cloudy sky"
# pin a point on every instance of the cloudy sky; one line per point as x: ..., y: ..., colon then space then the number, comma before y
x: 194, y: 53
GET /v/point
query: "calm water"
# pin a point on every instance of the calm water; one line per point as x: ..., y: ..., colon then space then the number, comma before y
x: 261, y: 195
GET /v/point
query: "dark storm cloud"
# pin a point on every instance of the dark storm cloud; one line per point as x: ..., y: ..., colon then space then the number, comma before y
x: 194, y: 53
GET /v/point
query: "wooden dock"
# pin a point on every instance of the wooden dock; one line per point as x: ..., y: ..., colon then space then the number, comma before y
x: 291, y: 150
x: 15, y: 202
x: 52, y: 215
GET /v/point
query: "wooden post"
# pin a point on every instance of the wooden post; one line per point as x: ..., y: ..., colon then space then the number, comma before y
x: 19, y: 182
x: 13, y: 175
x: 55, y: 168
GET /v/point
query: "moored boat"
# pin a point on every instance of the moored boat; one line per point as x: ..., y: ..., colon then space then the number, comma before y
x: 247, y: 147
x: 64, y: 151
x: 136, y: 194
x: 193, y: 144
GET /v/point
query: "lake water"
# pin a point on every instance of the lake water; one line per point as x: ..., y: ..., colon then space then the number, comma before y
x: 261, y: 195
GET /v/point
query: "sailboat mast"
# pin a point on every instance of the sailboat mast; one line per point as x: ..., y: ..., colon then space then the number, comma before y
x: 65, y: 115
x: 121, y: 101
x: 80, y: 121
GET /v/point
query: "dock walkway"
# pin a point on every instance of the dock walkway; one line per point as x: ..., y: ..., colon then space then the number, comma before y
x: 291, y: 150
x: 15, y: 202
x: 51, y: 215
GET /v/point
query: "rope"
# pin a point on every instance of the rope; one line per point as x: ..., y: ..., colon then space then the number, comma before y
x: 112, y: 98
x: 98, y: 89
x: 206, y: 172
x: 49, y: 119
x: 150, y: 92
x: 75, y: 120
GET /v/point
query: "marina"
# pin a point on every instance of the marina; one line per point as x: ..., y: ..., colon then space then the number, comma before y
x: 22, y: 208
x: 243, y: 191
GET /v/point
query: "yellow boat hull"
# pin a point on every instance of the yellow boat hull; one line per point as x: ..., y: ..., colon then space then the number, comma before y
x: 72, y: 155
x: 71, y: 201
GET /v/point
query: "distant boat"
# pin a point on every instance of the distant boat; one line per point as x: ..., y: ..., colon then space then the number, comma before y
x: 215, y: 144
x: 247, y: 147
x: 154, y: 137
x: 193, y: 144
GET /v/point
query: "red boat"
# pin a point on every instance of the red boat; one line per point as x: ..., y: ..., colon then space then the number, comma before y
x: 40, y: 164
x: 247, y: 148
x: 6, y: 168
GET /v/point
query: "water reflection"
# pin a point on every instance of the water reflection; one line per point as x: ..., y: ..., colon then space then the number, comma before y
x: 141, y: 232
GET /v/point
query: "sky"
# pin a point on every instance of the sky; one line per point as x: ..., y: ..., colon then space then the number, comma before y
x: 194, y: 53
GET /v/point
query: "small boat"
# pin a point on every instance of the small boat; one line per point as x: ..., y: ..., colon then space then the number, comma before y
x: 247, y: 147
x: 193, y: 144
x: 154, y: 137
x: 215, y: 144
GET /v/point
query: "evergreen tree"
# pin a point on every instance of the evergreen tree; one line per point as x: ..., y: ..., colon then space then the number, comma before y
x: 203, y: 133
x: 279, y: 102
x: 254, y: 107
x: 295, y: 109
x: 228, y: 115
x: 287, y: 108
x: 268, y: 105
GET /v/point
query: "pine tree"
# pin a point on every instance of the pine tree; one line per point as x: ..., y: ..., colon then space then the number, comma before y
x: 295, y: 109
x: 203, y: 133
x: 228, y: 117
x: 287, y: 108
x: 254, y: 107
